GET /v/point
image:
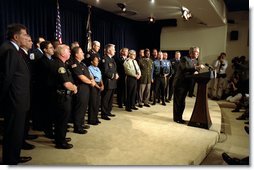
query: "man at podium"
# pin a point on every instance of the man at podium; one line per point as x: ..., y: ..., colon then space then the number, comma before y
x: 187, y: 67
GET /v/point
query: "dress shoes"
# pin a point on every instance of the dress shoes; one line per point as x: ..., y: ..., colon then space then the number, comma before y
x: 64, y: 146
x: 93, y: 123
x: 146, y: 105
x: 168, y: 101
x: 164, y: 104
x: 98, y: 121
x: 128, y: 110
x: 229, y: 160
x: 235, y: 110
x: 31, y: 137
x: 80, y: 131
x: 24, y: 159
x: 86, y: 126
x: 134, y: 108
x: 105, y: 117
x: 180, y: 121
x: 120, y: 106
x: 67, y: 139
x: 27, y: 146
x: 246, y: 122
x: 111, y: 115
x: 153, y: 103
x: 140, y: 105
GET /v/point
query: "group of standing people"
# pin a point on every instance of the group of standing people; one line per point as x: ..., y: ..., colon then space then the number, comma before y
x: 63, y: 84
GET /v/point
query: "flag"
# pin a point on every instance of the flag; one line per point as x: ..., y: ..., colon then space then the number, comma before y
x: 58, y: 25
x: 88, y: 29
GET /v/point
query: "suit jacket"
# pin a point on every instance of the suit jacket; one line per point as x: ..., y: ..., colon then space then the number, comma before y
x: 109, y: 71
x: 14, y: 80
x: 185, y: 69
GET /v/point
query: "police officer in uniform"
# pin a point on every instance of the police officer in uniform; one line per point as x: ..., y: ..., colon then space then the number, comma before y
x: 64, y: 88
x: 83, y: 80
x: 161, y: 69
x: 109, y: 76
x: 91, y: 53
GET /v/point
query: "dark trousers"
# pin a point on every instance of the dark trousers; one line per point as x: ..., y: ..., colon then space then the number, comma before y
x: 191, y: 89
x: 62, y: 113
x: 106, y: 101
x: 170, y: 87
x: 14, y: 122
x: 159, y: 88
x: 121, y: 97
x: 180, y: 94
x: 131, y: 84
x: 80, y: 105
x: 94, y: 104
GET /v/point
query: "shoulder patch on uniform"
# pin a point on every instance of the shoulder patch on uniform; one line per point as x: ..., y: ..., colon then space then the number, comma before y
x: 61, y: 70
x: 73, y: 65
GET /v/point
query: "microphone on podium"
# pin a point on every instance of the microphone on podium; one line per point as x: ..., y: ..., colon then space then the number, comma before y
x: 210, y: 67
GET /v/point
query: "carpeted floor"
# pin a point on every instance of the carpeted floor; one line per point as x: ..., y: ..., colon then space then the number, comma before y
x: 149, y: 136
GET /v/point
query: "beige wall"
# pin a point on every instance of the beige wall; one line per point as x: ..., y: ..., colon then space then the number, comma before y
x: 211, y: 40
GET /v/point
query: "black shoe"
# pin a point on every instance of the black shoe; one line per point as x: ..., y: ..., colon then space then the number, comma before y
x: 128, y: 110
x: 164, y: 104
x: 180, y: 121
x: 235, y: 110
x: 246, y: 123
x: 167, y: 101
x: 80, y: 131
x: 229, y: 160
x: 154, y: 103
x: 86, y: 126
x: 24, y: 159
x: 146, y: 105
x: 98, y: 121
x: 158, y: 101
x: 111, y: 115
x: 134, y: 108
x: 246, y: 128
x: 105, y: 117
x: 92, y: 123
x: 31, y: 137
x: 64, y: 146
x: 140, y: 105
x: 27, y: 146
x: 120, y: 106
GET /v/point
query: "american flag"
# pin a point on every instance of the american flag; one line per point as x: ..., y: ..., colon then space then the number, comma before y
x: 58, y: 25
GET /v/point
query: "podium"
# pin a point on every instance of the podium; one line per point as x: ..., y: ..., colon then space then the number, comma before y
x: 200, y: 116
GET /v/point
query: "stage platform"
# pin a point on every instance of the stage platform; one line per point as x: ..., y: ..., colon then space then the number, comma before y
x: 148, y: 136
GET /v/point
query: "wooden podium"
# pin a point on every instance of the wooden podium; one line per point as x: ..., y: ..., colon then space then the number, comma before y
x: 200, y: 116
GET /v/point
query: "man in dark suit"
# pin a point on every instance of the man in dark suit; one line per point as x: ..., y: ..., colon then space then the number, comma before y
x: 109, y: 76
x: 38, y: 53
x: 14, y: 94
x: 182, y: 80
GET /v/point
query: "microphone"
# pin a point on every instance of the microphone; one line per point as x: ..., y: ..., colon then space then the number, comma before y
x: 210, y: 67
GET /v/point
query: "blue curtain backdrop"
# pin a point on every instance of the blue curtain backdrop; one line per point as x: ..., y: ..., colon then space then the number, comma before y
x: 40, y: 18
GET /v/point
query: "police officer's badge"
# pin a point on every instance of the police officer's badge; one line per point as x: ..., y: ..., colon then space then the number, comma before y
x: 110, y: 65
x: 73, y: 65
x: 88, y: 56
x: 61, y: 70
x: 103, y: 60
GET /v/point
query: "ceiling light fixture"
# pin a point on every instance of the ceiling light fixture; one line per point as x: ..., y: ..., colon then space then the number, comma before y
x: 122, y: 6
x: 151, y: 20
x: 186, y: 14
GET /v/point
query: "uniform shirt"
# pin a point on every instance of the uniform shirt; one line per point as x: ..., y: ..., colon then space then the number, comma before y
x: 96, y: 72
x: 61, y: 73
x: 109, y: 71
x: 131, y: 67
x: 79, y: 68
x: 146, y: 66
x: 161, y: 68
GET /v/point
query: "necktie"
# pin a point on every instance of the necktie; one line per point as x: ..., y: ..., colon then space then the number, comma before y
x: 135, y: 67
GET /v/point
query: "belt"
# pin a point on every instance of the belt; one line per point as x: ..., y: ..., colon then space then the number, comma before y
x: 64, y: 92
